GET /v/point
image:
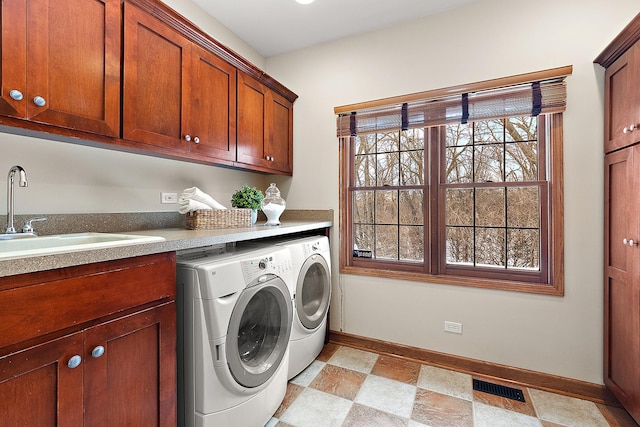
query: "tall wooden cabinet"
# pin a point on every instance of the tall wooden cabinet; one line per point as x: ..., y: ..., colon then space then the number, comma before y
x: 61, y: 63
x: 622, y: 217
x: 91, y: 345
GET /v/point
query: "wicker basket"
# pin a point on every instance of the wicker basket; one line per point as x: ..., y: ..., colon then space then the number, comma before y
x: 218, y: 218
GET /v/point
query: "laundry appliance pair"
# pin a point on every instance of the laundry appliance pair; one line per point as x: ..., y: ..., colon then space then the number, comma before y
x: 250, y: 317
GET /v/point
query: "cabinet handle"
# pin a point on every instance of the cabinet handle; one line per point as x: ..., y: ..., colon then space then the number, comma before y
x: 196, y: 140
x: 97, y: 352
x: 74, y: 362
x: 629, y: 242
x: 270, y: 158
x: 16, y: 95
x: 631, y: 128
x: 39, y: 101
x: 187, y: 138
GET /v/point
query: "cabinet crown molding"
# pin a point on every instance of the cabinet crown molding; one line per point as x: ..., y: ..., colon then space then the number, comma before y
x: 627, y: 38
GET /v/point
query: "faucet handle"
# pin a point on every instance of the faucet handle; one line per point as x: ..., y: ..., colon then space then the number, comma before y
x: 28, y: 228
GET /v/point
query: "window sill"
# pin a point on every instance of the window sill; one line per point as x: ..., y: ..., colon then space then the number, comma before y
x: 503, y: 285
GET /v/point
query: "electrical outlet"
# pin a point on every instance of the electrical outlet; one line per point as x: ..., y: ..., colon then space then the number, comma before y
x: 168, y: 198
x: 454, y: 327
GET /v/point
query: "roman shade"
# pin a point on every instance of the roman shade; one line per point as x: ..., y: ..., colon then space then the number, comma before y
x: 527, y: 94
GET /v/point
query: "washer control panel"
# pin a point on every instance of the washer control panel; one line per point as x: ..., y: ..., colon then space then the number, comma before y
x: 276, y: 263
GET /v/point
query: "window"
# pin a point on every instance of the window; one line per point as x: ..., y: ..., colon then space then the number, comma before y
x: 474, y: 200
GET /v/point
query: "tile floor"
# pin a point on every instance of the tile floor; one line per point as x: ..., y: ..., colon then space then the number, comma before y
x: 346, y: 387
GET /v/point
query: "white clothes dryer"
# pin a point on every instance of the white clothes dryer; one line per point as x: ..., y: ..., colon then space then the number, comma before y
x: 234, y: 325
x: 311, y: 292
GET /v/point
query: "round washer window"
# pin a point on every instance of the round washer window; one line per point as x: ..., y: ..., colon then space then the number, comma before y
x: 313, y: 292
x: 259, y: 331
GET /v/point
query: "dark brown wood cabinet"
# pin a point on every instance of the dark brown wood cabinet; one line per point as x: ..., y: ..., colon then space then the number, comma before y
x: 621, y: 60
x: 92, y: 345
x: 177, y: 95
x: 622, y: 101
x: 61, y: 63
x: 265, y: 127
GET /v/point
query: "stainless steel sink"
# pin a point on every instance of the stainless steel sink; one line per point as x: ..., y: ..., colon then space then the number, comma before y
x: 62, y: 243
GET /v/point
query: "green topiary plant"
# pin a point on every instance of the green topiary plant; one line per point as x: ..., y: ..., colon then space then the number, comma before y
x: 247, y: 197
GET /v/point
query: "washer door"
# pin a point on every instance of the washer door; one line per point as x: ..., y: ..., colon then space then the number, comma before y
x: 313, y: 292
x: 259, y: 331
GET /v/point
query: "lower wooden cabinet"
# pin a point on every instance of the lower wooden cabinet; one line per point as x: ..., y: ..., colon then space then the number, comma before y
x: 116, y: 370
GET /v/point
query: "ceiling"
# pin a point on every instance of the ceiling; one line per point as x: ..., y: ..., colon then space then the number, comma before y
x: 273, y: 27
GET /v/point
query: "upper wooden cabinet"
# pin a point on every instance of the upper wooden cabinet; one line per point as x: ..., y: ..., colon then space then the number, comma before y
x: 176, y: 95
x: 136, y: 76
x: 61, y: 63
x: 622, y: 101
x: 265, y: 127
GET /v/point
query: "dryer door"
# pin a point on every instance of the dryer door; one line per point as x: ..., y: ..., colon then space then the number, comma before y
x: 259, y: 331
x: 313, y: 291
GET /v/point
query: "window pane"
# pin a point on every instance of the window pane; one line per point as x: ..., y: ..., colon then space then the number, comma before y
x: 411, y: 243
x: 523, y: 207
x: 459, y: 207
x: 490, y: 207
x: 458, y: 134
x: 412, y: 168
x: 459, y: 244
x: 365, y: 170
x: 363, y: 204
x: 388, y: 142
x: 365, y: 144
x: 363, y: 237
x: 521, y: 161
x: 488, y: 131
x: 490, y: 247
x: 412, y: 139
x: 459, y: 165
x: 524, y: 249
x: 388, y: 169
x: 411, y: 207
x: 387, y: 242
x: 386, y: 207
x: 521, y: 129
x: 489, y: 163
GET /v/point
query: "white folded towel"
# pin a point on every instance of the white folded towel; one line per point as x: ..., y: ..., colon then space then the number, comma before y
x: 193, y: 199
x: 190, y: 205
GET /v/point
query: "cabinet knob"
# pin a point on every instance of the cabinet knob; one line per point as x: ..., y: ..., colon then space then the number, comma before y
x: 39, y: 101
x: 196, y: 140
x: 631, y: 128
x: 16, y: 95
x: 270, y: 158
x: 74, y: 362
x: 97, y: 352
x: 629, y: 242
x: 187, y: 138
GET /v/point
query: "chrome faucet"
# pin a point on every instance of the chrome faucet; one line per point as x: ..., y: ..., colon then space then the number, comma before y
x: 22, y: 183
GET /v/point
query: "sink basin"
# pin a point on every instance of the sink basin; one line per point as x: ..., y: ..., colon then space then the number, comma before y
x: 62, y: 243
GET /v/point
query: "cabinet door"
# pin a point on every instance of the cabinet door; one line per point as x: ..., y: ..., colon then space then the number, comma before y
x: 213, y: 106
x: 63, y: 57
x: 622, y: 281
x: 156, y: 69
x: 280, y: 131
x: 265, y: 127
x: 37, y: 388
x: 133, y: 382
x: 622, y: 101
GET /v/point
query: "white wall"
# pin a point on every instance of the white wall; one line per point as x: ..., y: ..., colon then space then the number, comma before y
x: 486, y: 40
x: 68, y: 178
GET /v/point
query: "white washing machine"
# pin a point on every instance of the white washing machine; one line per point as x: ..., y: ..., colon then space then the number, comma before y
x: 234, y: 324
x: 311, y: 292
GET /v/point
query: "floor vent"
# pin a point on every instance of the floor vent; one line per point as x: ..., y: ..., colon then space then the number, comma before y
x: 498, y: 390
